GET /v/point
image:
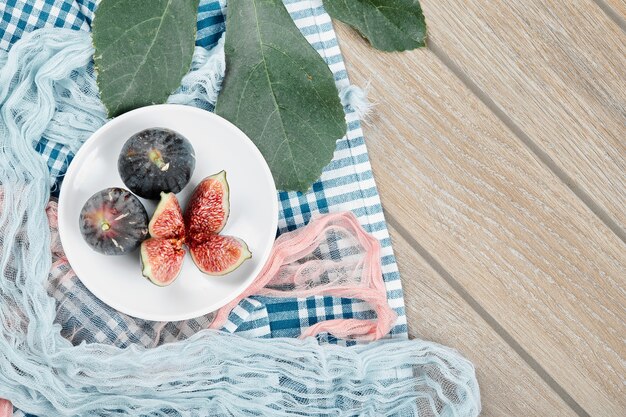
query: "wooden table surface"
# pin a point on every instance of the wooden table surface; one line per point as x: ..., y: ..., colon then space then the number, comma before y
x: 500, y: 156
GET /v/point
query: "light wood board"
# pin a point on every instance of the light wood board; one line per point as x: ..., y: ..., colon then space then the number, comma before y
x: 618, y: 6
x: 540, y: 266
x: 509, y: 387
x: 557, y: 69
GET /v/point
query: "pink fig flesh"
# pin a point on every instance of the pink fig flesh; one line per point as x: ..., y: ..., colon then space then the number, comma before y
x: 219, y: 255
x: 162, y: 260
x: 167, y: 220
x: 208, y: 208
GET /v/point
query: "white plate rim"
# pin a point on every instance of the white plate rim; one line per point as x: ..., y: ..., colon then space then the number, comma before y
x: 73, y: 170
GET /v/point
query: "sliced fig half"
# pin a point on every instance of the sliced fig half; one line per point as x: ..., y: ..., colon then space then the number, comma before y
x: 113, y: 222
x: 167, y: 220
x: 219, y: 255
x: 162, y: 260
x: 208, y: 208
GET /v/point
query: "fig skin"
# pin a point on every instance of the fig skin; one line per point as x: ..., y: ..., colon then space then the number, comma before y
x: 113, y: 222
x: 156, y: 160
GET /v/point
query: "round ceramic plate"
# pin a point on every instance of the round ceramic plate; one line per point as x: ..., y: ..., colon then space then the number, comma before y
x: 219, y: 145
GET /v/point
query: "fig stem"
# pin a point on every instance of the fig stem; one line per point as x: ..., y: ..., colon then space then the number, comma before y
x: 156, y: 158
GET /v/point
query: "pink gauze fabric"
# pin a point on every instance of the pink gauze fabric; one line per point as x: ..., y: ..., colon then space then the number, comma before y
x: 6, y: 409
x: 331, y: 256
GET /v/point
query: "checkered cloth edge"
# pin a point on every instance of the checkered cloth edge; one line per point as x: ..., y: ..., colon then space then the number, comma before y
x: 346, y: 184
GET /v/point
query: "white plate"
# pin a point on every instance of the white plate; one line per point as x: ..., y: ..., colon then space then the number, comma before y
x: 219, y: 145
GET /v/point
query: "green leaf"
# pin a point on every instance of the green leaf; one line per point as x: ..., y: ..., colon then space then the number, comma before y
x: 280, y: 92
x: 389, y: 25
x: 143, y: 50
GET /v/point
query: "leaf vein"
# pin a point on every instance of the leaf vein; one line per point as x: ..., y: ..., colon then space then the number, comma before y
x: 156, y: 35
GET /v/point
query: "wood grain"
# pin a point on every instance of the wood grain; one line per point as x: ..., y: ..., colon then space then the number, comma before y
x: 510, y: 232
x: 618, y: 6
x: 508, y: 386
x: 558, y: 70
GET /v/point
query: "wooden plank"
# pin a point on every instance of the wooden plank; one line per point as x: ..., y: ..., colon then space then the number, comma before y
x: 619, y: 6
x: 558, y: 70
x: 508, y: 386
x: 510, y: 232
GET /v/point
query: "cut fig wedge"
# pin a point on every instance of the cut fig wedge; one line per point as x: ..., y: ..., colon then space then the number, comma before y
x: 162, y: 260
x: 162, y: 255
x: 219, y: 255
x: 167, y: 220
x: 207, y: 211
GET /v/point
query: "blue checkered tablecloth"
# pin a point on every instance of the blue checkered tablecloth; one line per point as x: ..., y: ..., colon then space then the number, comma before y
x: 346, y: 184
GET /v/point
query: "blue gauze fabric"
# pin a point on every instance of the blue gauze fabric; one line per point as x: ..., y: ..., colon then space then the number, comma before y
x: 347, y: 183
x: 45, y: 87
x: 47, y: 90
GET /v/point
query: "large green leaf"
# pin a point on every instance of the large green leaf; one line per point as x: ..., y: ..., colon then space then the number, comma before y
x: 143, y: 50
x: 389, y: 25
x: 280, y: 92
